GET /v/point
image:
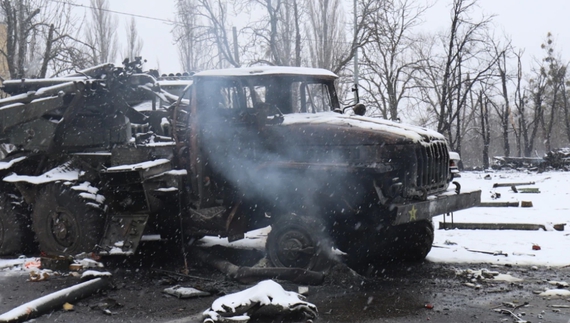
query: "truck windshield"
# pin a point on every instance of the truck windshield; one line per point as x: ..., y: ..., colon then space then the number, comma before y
x: 288, y: 94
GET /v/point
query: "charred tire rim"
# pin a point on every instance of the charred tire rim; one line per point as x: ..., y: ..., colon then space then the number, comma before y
x: 63, y: 227
x: 295, y: 241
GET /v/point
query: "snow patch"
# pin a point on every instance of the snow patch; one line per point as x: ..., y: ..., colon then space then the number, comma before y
x: 411, y: 132
x: 139, y: 166
x: 555, y: 292
x: 9, y: 164
x: 60, y: 173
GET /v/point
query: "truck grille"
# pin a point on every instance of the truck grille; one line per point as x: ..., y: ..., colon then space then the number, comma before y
x: 433, y: 166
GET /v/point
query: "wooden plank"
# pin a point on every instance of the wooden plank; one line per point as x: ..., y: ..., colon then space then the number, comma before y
x: 491, y: 226
x: 512, y: 184
x: 498, y: 204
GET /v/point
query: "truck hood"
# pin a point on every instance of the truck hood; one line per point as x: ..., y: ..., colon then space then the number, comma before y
x: 398, y: 132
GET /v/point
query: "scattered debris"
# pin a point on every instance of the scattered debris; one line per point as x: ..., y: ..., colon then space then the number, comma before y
x: 517, y: 318
x: 535, y: 247
x: 40, y: 275
x: 495, y: 195
x: 68, y: 307
x: 494, y: 253
x: 185, y: 292
x: 36, y: 263
x: 55, y: 262
x: 107, y: 305
x: 525, y: 254
x: 53, y: 301
x: 476, y: 286
x: 526, y: 203
x: 559, y: 227
x: 267, y: 295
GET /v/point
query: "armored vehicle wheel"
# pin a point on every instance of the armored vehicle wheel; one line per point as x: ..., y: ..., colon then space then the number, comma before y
x: 297, y: 241
x: 64, y: 222
x: 15, y: 232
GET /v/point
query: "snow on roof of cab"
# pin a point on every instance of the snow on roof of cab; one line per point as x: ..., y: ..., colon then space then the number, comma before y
x: 269, y: 70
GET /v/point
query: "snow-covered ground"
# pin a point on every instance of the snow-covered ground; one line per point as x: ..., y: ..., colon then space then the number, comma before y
x: 550, y: 206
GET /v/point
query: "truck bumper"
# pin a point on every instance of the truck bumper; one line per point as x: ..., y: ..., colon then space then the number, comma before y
x: 440, y: 204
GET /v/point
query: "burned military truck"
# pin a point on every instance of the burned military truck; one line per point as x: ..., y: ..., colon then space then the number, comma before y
x: 99, y: 160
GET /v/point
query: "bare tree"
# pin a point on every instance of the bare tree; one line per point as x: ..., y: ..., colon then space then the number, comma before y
x: 101, y: 33
x: 503, y: 110
x: 194, y: 48
x: 389, y: 59
x: 466, y: 62
x: 38, y: 33
x: 279, y: 31
x: 328, y: 44
x: 134, y: 42
x: 484, y: 116
x: 21, y: 22
x: 555, y: 74
x: 215, y: 14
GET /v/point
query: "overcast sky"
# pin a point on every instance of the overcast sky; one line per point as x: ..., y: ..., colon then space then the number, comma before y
x: 525, y: 21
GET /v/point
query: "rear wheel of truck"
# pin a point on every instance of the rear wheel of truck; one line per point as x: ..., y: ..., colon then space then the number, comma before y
x: 15, y: 233
x: 65, y: 223
x: 297, y: 241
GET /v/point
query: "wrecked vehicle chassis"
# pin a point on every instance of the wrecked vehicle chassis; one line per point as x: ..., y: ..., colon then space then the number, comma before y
x: 92, y: 170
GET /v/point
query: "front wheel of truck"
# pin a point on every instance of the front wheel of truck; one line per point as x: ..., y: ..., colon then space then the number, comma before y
x: 67, y: 221
x: 416, y: 240
x: 297, y: 241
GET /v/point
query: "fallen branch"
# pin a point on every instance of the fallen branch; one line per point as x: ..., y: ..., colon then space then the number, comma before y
x: 248, y: 274
x: 54, y: 301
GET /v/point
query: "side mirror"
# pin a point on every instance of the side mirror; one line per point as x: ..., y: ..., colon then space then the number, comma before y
x: 359, y: 109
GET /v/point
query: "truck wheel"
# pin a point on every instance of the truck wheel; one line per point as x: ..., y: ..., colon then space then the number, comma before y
x: 415, y: 240
x: 15, y: 232
x: 64, y: 222
x: 297, y: 241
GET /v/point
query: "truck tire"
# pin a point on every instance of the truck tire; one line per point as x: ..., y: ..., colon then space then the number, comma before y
x: 297, y: 241
x: 395, y: 244
x: 15, y: 232
x: 417, y: 238
x: 64, y: 222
